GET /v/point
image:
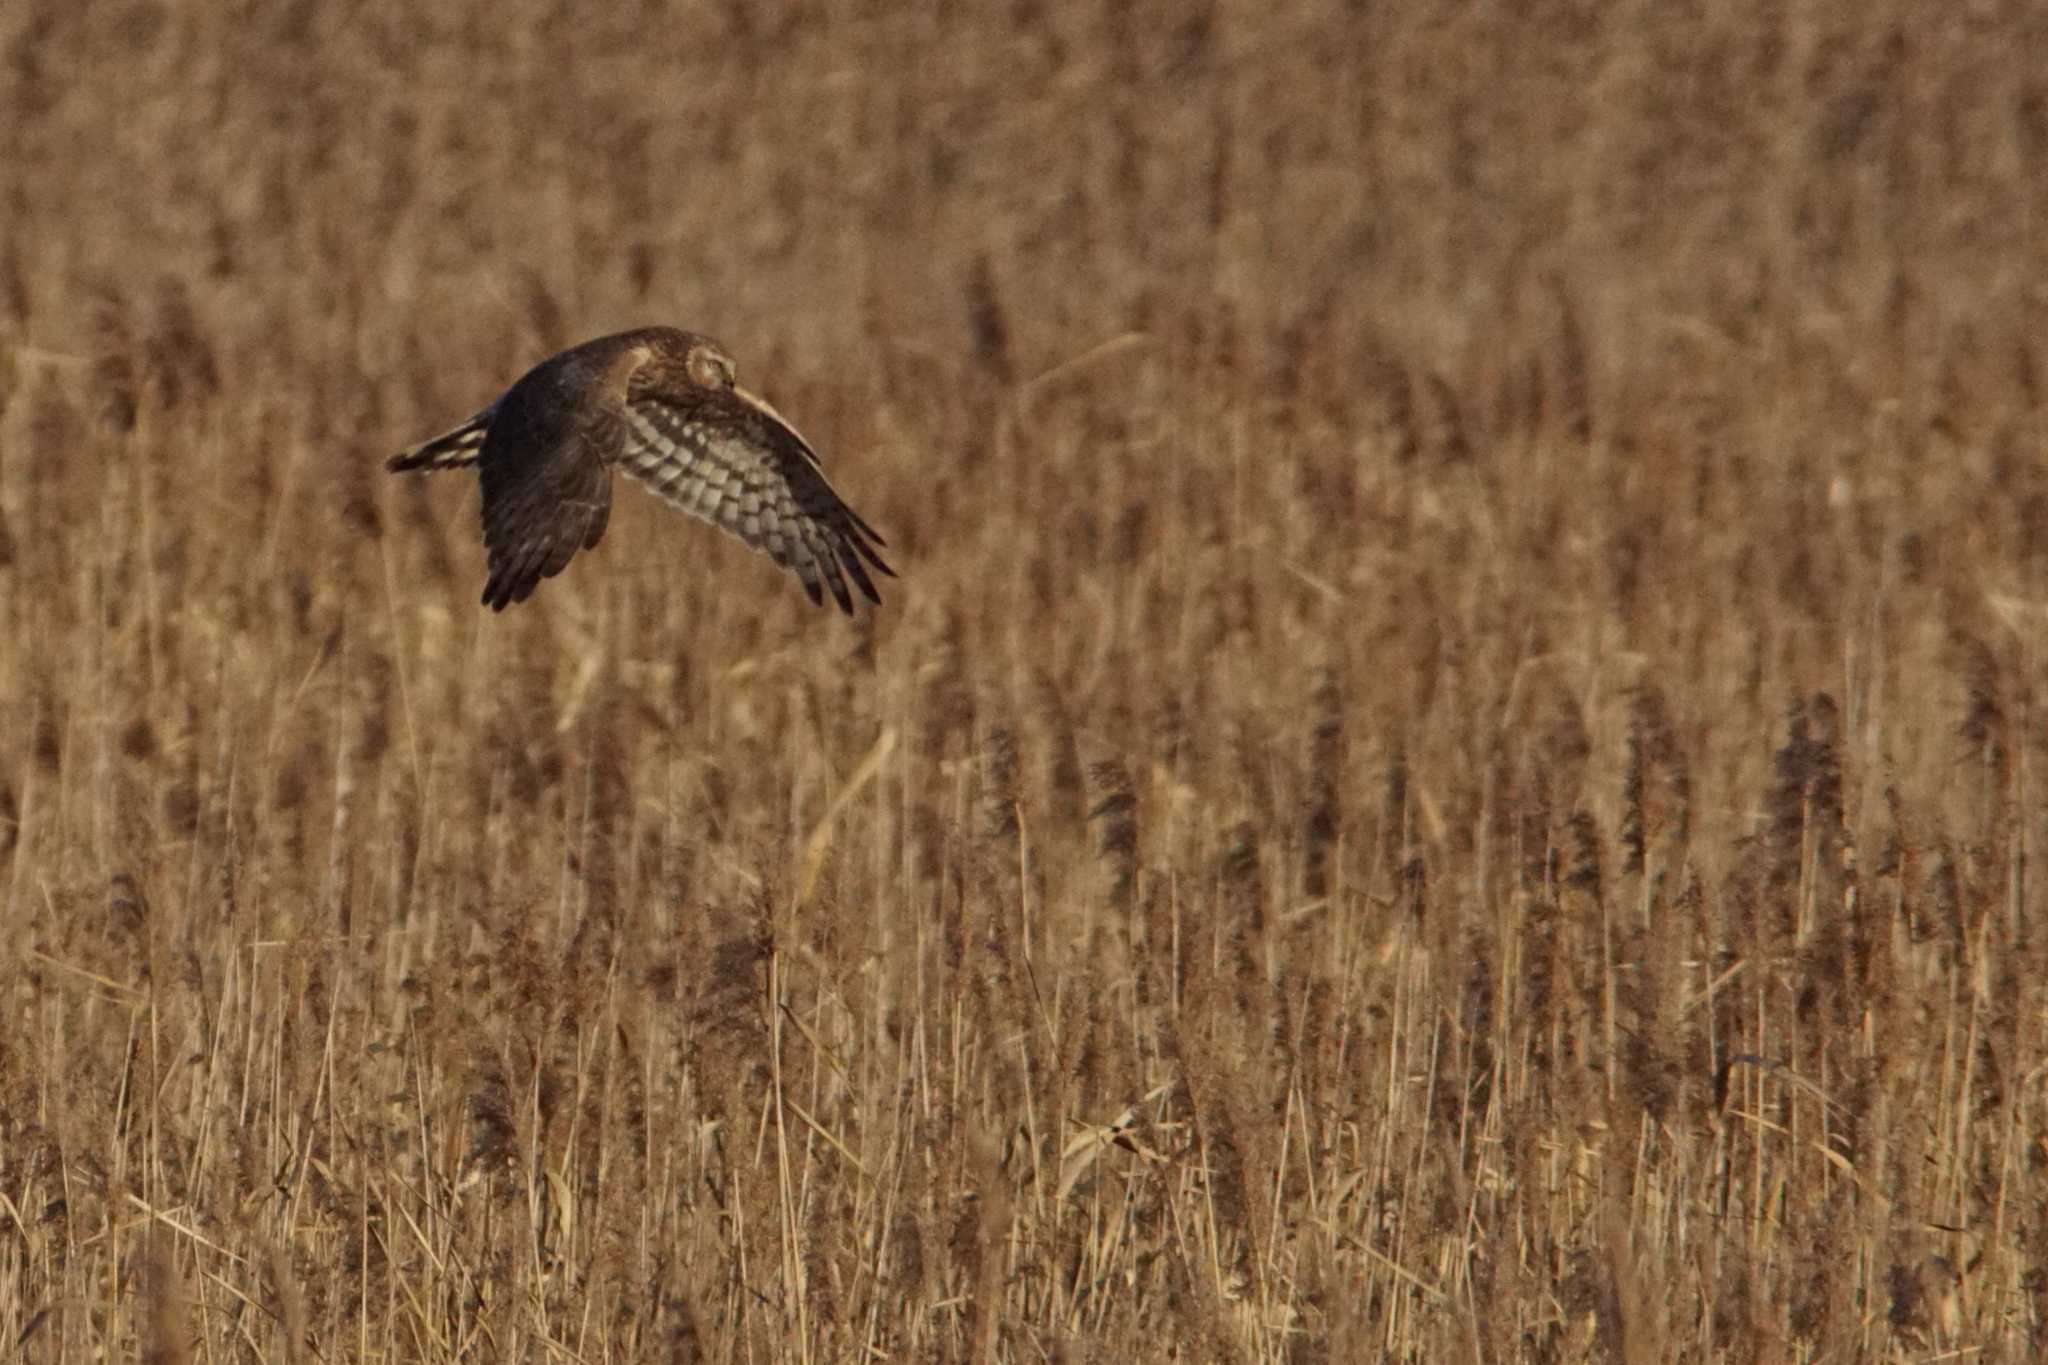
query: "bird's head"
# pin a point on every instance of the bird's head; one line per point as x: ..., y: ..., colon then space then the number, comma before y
x: 707, y: 364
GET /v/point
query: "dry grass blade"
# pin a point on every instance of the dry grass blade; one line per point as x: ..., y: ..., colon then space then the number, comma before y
x: 820, y: 841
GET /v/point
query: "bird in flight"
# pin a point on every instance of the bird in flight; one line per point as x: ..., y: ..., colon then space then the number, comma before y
x: 660, y: 404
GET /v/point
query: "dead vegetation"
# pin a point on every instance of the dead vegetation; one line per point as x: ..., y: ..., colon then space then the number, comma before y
x: 1450, y: 775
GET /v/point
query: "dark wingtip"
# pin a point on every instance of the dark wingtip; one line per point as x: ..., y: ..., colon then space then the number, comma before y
x: 858, y: 573
x: 870, y: 532
x: 837, y: 583
x: 503, y: 590
x: 866, y: 550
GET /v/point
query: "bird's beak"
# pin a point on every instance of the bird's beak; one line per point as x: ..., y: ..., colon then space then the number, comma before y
x: 767, y: 409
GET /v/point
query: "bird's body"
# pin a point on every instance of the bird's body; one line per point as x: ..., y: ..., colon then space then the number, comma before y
x: 661, y: 405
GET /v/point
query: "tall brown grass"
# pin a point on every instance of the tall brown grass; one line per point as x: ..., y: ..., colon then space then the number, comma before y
x: 1449, y: 775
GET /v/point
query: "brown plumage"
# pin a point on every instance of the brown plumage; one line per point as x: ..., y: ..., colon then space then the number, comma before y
x: 661, y: 405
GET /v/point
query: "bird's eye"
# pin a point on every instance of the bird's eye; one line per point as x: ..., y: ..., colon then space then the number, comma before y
x: 711, y: 371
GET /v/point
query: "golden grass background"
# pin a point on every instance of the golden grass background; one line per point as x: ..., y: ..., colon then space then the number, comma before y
x: 1449, y: 777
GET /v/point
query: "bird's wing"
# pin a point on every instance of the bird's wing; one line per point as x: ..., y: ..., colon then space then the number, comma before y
x: 547, y: 493
x: 727, y: 457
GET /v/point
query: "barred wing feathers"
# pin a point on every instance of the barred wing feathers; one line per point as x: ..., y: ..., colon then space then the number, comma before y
x: 727, y: 458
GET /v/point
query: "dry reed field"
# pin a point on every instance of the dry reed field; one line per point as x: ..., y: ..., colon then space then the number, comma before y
x: 1449, y: 775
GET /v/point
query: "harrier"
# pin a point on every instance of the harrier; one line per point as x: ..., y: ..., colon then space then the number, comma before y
x: 660, y: 404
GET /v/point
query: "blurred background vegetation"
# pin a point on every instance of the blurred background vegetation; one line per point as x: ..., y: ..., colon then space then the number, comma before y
x: 1448, y: 777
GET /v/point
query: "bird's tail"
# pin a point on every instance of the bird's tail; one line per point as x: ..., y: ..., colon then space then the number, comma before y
x: 450, y: 450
